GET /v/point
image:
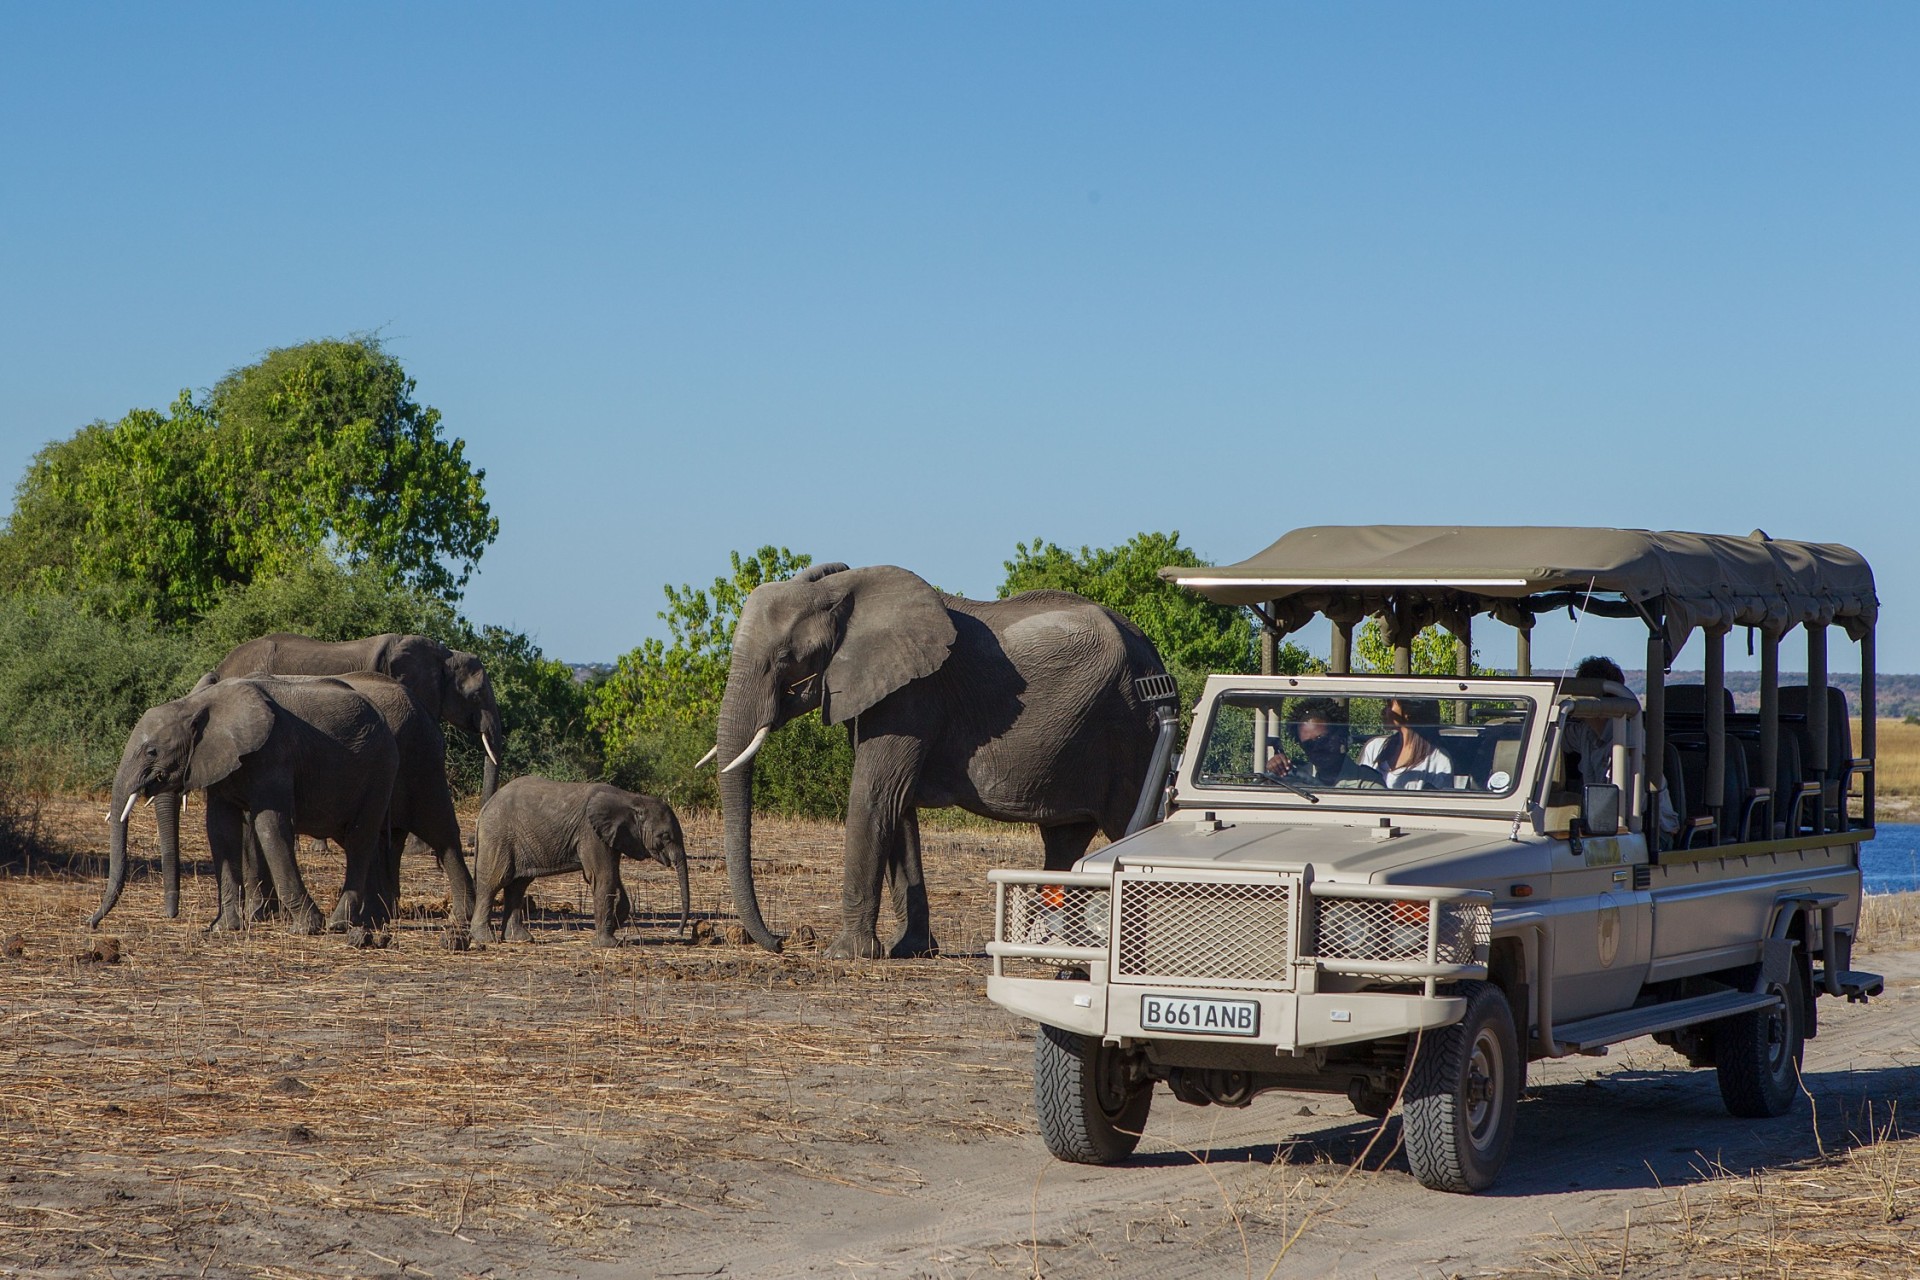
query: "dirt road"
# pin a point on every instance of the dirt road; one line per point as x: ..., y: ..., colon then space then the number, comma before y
x: 268, y: 1106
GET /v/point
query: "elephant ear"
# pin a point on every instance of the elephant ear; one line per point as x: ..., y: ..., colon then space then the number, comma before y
x: 232, y: 722
x: 894, y: 629
x: 606, y: 810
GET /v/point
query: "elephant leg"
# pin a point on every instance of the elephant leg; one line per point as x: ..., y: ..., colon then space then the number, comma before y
x: 261, y: 903
x: 907, y: 886
x: 274, y: 828
x: 884, y: 770
x: 609, y: 897
x: 226, y: 825
x: 622, y: 908
x: 514, y: 927
x: 486, y: 888
x: 440, y: 833
x: 1067, y: 843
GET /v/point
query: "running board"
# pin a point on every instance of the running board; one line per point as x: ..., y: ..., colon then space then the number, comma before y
x: 1851, y: 983
x: 1612, y: 1028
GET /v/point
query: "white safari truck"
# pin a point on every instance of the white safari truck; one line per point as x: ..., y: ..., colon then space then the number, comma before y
x: 1405, y: 888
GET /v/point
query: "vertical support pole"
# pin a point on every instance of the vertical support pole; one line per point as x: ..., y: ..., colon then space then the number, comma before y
x: 1523, y: 648
x: 1655, y: 772
x: 1340, y: 661
x: 1269, y: 644
x: 1819, y: 764
x: 1868, y: 730
x: 1716, y: 695
x: 1266, y: 722
x: 1770, y: 726
x: 1462, y: 663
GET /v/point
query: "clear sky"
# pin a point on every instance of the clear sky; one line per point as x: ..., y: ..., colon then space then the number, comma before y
x: 912, y: 283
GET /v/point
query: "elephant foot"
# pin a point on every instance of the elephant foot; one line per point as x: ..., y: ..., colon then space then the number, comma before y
x: 307, y: 922
x: 913, y: 946
x: 855, y: 946
x: 519, y: 933
x: 481, y: 934
x: 604, y: 940
x: 370, y: 938
x: 228, y: 922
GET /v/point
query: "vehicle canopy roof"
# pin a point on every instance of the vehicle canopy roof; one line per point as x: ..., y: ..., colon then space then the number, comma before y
x: 1413, y: 575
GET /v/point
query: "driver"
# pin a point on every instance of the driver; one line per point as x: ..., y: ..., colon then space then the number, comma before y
x: 1319, y: 728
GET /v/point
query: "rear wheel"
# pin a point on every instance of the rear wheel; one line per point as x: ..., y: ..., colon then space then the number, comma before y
x: 1091, y: 1109
x: 1757, y: 1055
x: 1462, y: 1092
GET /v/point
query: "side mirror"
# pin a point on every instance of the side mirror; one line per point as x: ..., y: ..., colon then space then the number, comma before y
x: 1600, y: 809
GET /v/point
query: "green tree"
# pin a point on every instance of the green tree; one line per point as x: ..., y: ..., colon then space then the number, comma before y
x: 315, y: 448
x: 1189, y: 630
x: 656, y: 712
x: 1435, y: 650
x: 323, y: 444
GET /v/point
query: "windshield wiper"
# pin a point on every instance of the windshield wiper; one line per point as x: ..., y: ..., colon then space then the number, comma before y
x: 1279, y: 780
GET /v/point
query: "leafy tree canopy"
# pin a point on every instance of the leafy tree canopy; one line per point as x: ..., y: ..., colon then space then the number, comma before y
x: 1435, y: 651
x: 1191, y: 632
x: 317, y: 447
x: 656, y: 712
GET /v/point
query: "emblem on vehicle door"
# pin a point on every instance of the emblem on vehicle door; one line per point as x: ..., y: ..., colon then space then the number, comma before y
x: 1609, y: 936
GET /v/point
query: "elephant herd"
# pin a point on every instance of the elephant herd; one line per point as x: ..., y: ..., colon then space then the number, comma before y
x: 1020, y: 710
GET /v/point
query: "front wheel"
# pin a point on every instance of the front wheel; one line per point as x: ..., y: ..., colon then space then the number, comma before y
x: 1462, y: 1093
x: 1091, y: 1110
x: 1757, y: 1055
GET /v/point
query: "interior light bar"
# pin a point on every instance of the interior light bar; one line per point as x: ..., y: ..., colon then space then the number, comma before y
x: 1352, y: 582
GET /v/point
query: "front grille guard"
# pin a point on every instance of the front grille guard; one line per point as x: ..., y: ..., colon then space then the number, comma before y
x: 1395, y: 933
x: 1031, y: 924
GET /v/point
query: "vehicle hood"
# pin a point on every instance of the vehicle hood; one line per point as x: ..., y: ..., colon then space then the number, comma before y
x: 1340, y: 853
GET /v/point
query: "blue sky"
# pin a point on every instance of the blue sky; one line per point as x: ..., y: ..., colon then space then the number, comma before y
x: 914, y: 283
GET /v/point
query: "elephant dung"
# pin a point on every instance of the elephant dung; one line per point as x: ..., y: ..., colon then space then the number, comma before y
x: 705, y: 934
x: 14, y: 948
x: 737, y: 935
x: 102, y: 951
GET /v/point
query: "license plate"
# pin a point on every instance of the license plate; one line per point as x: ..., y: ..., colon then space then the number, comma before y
x: 1200, y: 1017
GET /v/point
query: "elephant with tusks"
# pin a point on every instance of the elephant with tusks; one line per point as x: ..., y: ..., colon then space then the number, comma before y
x: 1021, y: 710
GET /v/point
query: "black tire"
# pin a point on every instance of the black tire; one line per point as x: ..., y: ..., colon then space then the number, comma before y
x: 1090, y: 1111
x: 1457, y: 1113
x: 1368, y: 1101
x: 1757, y: 1055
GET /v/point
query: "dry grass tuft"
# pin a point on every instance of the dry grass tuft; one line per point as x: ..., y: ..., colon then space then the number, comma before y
x: 1889, y: 922
x: 1849, y: 1216
x: 197, y: 1085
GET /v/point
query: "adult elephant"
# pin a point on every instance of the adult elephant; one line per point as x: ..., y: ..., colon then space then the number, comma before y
x: 422, y: 808
x: 280, y: 757
x: 1022, y: 710
x: 451, y: 682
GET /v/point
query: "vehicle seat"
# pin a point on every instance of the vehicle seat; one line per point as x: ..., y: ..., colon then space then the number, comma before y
x: 1837, y: 780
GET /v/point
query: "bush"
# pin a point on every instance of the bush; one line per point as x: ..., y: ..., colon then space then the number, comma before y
x: 73, y: 680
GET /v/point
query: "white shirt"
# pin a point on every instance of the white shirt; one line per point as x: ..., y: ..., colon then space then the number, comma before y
x: 1435, y: 773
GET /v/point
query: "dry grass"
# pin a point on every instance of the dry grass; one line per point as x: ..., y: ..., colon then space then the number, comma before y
x: 1850, y: 1215
x: 1889, y: 921
x: 207, y: 1088
x: 1896, y: 765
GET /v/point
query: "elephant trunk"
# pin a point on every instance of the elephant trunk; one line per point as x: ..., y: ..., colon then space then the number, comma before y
x: 686, y: 896
x: 737, y: 724
x: 166, y: 810
x: 116, y: 856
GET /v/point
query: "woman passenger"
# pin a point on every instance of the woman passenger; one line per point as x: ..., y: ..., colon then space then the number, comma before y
x: 1409, y: 755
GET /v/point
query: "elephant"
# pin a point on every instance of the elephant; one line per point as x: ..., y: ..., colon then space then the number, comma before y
x: 536, y: 827
x: 1021, y: 710
x: 422, y: 807
x: 278, y: 757
x: 450, y: 682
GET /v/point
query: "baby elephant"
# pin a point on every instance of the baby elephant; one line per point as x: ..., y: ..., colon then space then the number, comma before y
x: 536, y: 827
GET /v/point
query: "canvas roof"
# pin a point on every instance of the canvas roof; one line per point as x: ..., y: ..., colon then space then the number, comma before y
x: 1432, y: 572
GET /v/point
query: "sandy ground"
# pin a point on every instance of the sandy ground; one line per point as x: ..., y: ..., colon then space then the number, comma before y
x: 265, y: 1105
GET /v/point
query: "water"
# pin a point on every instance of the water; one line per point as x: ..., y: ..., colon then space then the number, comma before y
x: 1890, y: 862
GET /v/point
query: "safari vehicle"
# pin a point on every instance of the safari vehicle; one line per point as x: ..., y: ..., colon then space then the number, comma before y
x: 1294, y: 924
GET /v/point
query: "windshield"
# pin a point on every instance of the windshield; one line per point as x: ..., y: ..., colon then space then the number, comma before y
x: 1308, y: 743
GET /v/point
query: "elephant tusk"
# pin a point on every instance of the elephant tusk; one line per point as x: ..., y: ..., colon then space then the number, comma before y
x: 126, y: 812
x: 488, y: 746
x: 706, y: 759
x: 753, y: 749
